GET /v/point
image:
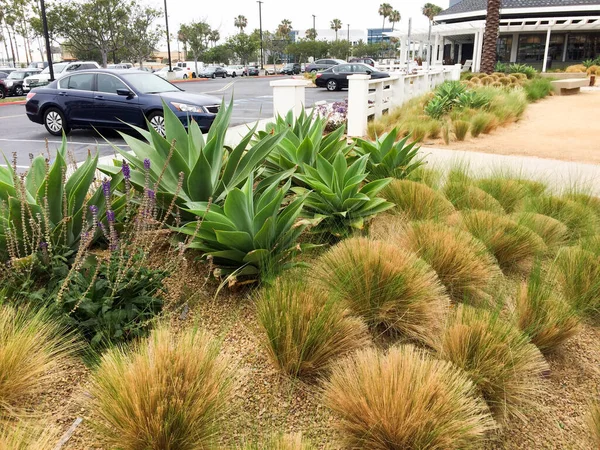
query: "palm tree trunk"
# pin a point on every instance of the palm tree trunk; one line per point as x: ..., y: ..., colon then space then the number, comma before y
x: 490, y: 36
x: 382, y: 28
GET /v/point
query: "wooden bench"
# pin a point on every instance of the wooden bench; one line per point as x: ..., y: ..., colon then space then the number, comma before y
x: 569, y: 86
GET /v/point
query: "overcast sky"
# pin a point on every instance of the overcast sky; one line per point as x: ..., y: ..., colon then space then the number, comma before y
x: 360, y: 14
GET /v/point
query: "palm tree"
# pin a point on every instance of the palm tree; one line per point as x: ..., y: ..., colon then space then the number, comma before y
x: 490, y: 36
x: 311, y: 34
x: 430, y: 10
x: 336, y: 24
x: 394, y: 18
x: 385, y: 9
x: 214, y: 37
x: 284, y: 28
x: 241, y: 22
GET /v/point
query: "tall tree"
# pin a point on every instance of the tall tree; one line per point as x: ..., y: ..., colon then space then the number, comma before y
x: 244, y: 46
x: 142, y: 36
x: 241, y: 22
x: 214, y: 37
x: 311, y: 33
x: 490, y: 36
x: 336, y: 25
x: 195, y: 35
x: 430, y: 10
x: 284, y: 29
x: 394, y: 18
x: 385, y: 9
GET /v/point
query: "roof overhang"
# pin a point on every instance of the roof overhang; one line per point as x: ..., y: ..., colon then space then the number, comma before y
x: 517, y: 11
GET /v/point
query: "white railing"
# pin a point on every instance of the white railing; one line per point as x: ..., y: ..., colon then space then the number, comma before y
x: 367, y: 97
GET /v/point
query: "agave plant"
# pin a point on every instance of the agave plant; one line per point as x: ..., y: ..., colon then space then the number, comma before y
x: 388, y: 158
x: 210, y: 168
x: 339, y: 199
x: 304, y: 140
x: 252, y: 233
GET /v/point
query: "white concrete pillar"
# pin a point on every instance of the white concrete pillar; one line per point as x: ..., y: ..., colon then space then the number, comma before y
x: 456, y: 72
x: 546, y: 49
x: 403, y: 57
x: 459, y: 52
x: 358, y: 104
x: 434, y: 50
x: 564, y: 53
x: 288, y: 95
x: 514, y: 49
x: 397, y: 90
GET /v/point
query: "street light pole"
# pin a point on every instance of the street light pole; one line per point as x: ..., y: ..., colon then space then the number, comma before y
x: 262, y: 59
x: 47, y: 39
x: 168, y: 37
x: 314, y: 28
x: 348, y: 33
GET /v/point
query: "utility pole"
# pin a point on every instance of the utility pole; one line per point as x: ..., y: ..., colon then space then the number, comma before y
x: 168, y: 37
x: 314, y: 28
x: 262, y: 59
x: 348, y: 33
x: 47, y: 39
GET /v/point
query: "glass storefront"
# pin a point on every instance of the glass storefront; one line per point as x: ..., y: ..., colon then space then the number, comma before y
x: 580, y: 46
x: 503, y: 47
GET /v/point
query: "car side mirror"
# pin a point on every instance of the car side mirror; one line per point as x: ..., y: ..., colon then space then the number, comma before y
x: 124, y: 92
x: 369, y: 72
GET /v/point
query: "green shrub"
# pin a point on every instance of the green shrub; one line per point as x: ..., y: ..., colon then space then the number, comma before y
x: 460, y: 129
x: 417, y: 200
x: 472, y: 99
x: 542, y: 315
x: 405, y: 399
x: 538, y: 88
x: 497, y: 357
x: 466, y: 196
x: 165, y: 393
x: 253, y: 234
x: 389, y: 157
x: 526, y: 70
x: 338, y: 198
x: 305, y: 329
x: 391, y: 289
x: 501, y: 67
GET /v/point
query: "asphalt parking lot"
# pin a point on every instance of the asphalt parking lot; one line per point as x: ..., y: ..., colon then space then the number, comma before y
x: 253, y: 100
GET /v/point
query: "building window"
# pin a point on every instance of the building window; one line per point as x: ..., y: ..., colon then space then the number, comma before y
x: 531, y: 47
x: 582, y: 46
x: 503, y: 48
x: 555, y: 48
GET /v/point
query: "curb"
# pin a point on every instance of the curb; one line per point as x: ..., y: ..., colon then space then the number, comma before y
x: 195, y: 80
x: 18, y: 102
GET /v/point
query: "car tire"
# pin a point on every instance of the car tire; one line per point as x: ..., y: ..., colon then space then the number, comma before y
x: 19, y: 91
x: 314, y: 71
x: 233, y: 75
x: 185, y: 77
x: 224, y: 75
x: 157, y: 121
x: 2, y: 93
x: 213, y: 76
x: 55, y: 122
x: 331, y: 85
x: 194, y: 75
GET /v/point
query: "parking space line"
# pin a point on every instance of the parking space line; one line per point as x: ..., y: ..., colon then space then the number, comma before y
x: 43, y: 141
x: 11, y: 117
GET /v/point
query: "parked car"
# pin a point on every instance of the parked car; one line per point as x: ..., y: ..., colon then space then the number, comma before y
x: 119, y: 66
x: 367, y: 61
x: 190, y: 67
x: 7, y: 70
x: 3, y: 75
x: 234, y: 71
x: 2, y: 89
x: 180, y: 74
x: 60, y: 69
x: 336, y: 78
x: 322, y: 64
x: 14, y: 81
x: 38, y: 65
x: 291, y: 69
x: 213, y: 72
x: 253, y: 71
x: 114, y: 98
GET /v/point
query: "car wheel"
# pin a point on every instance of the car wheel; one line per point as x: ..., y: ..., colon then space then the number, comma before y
x: 185, y: 77
x: 2, y: 93
x: 55, y: 122
x: 332, y: 85
x: 194, y: 75
x: 157, y: 121
x: 19, y: 91
x: 313, y: 71
x: 214, y: 76
x: 224, y: 75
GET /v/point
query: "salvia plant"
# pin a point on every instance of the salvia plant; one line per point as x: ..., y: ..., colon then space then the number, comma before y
x: 340, y: 200
x: 388, y: 158
x: 253, y: 234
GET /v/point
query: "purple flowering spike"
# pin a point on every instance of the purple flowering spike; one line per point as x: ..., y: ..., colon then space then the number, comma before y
x: 94, y: 209
x: 106, y: 187
x: 110, y: 215
x: 147, y: 164
x: 151, y: 194
x: 43, y: 245
x: 126, y: 171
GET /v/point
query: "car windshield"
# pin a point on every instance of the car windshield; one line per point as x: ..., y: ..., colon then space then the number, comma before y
x: 17, y: 75
x: 57, y: 68
x: 147, y: 83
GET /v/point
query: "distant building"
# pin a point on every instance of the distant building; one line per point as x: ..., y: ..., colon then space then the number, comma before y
x: 327, y: 34
x: 375, y: 35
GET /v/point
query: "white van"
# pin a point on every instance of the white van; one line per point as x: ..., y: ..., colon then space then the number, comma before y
x: 60, y: 69
x: 190, y: 67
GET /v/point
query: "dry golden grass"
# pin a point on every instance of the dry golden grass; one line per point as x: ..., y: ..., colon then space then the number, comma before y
x: 553, y: 232
x: 466, y: 196
x: 280, y: 441
x: 462, y: 263
x: 593, y: 421
x: 514, y: 246
x: 405, y: 399
x: 392, y: 289
x: 21, y: 436
x: 542, y: 314
x: 32, y: 348
x: 578, y: 274
x: 417, y: 200
x: 166, y: 393
x: 576, y: 68
x: 499, y: 359
x: 305, y: 329
x: 509, y: 193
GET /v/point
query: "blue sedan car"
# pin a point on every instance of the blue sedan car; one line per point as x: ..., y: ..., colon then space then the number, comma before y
x: 113, y: 99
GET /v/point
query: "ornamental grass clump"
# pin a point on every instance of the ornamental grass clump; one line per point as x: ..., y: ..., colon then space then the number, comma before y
x: 24, y: 436
x: 542, y: 314
x: 460, y: 129
x: 391, y: 289
x: 462, y: 263
x: 280, y: 441
x: 32, y: 348
x: 514, y: 246
x: 466, y: 196
x: 167, y: 392
x: 554, y: 233
x: 578, y: 274
x: 480, y: 123
x: 417, y: 200
x: 405, y: 399
x: 305, y: 329
x: 509, y: 193
x: 500, y: 360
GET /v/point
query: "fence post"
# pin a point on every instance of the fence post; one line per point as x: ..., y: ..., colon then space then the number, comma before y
x: 358, y: 103
x: 288, y: 95
x: 397, y: 91
x: 456, y: 72
x: 379, y: 99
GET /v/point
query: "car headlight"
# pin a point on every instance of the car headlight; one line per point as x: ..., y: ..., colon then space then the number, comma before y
x: 188, y: 108
x: 9, y: 83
